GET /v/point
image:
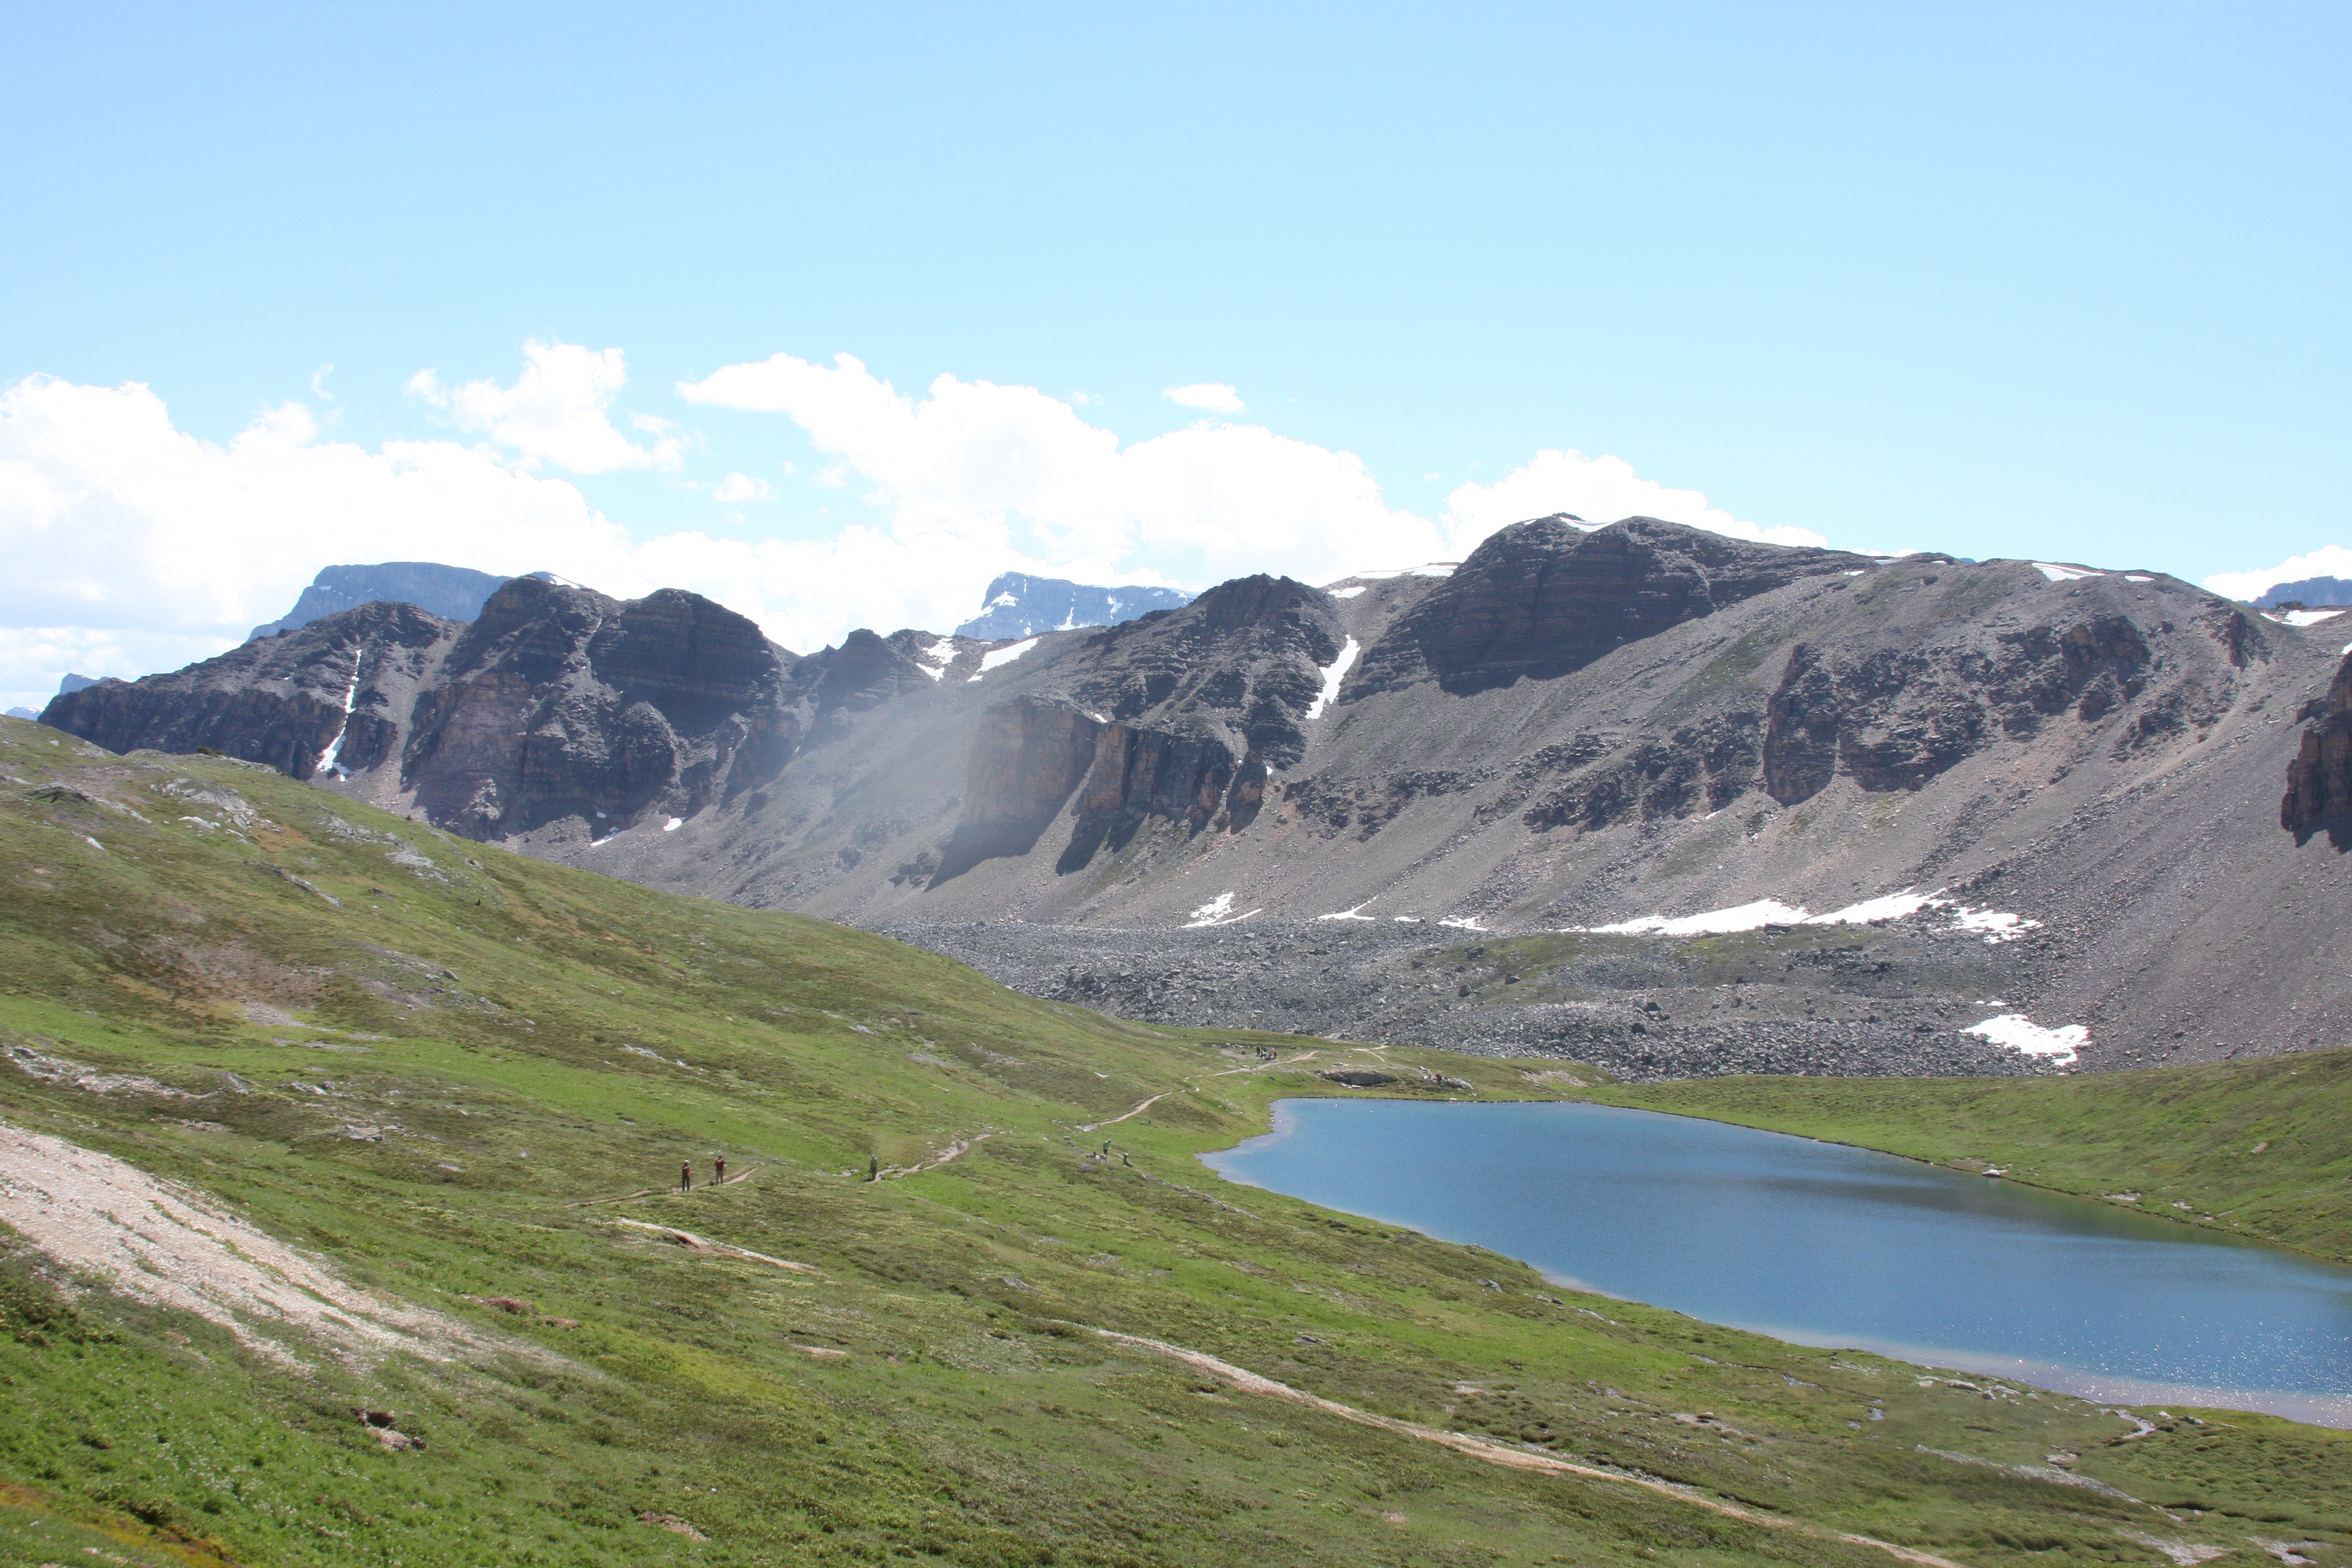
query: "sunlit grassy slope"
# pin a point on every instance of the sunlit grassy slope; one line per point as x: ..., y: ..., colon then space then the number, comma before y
x: 2258, y: 1148
x: 450, y: 1074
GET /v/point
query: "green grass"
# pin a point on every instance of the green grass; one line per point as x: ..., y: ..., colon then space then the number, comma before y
x: 2255, y: 1148
x: 533, y: 1048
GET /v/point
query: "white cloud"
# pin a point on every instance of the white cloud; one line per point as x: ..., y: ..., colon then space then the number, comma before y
x: 557, y: 411
x: 1600, y: 490
x: 737, y: 488
x: 2327, y: 560
x: 1012, y: 469
x: 1214, y: 397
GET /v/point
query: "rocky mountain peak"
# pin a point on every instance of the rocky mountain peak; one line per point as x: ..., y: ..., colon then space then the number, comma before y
x: 1542, y: 599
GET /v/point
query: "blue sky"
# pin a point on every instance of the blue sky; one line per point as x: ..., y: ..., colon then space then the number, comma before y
x: 2058, y: 282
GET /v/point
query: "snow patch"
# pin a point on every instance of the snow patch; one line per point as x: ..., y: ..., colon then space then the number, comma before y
x: 1218, y: 911
x: 1857, y: 572
x: 2306, y: 617
x: 2136, y: 577
x: 1353, y: 914
x: 934, y: 660
x: 1003, y: 656
x: 1993, y: 925
x: 673, y: 824
x: 2022, y: 1034
x: 1333, y: 673
x: 2057, y: 574
x: 1467, y: 922
x: 1347, y: 593
x: 327, y: 763
x: 1713, y: 923
x: 1870, y: 912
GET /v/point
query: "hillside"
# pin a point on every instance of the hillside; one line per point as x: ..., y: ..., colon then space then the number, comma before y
x: 1575, y: 729
x: 338, y: 1156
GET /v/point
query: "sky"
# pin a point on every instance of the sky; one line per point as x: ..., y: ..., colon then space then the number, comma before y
x: 835, y: 313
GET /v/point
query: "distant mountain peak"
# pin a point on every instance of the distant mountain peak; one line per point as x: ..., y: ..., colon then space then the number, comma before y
x: 2311, y: 592
x: 1019, y: 606
x: 453, y: 593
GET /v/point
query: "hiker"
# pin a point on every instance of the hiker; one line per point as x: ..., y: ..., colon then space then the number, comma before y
x: 685, y: 1176
x: 1106, y: 1148
x: 872, y: 1167
x: 720, y: 1179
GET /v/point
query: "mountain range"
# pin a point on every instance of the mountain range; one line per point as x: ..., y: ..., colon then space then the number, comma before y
x: 1641, y: 794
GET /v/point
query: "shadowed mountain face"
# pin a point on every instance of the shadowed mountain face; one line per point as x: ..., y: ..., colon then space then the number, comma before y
x: 453, y: 593
x: 1019, y: 606
x: 1575, y: 729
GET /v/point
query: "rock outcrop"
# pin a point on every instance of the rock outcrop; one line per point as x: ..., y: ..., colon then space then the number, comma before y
x: 2319, y: 780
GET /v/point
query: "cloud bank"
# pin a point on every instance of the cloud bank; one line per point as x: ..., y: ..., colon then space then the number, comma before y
x: 135, y: 546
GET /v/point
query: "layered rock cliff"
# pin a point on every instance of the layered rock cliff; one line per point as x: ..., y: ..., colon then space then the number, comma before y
x: 2319, y: 781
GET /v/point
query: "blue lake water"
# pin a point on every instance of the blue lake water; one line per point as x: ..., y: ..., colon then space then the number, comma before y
x: 1823, y: 1244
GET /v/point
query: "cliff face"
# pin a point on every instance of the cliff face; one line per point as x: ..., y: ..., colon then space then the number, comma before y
x: 1176, y: 718
x: 2319, y: 780
x: 1029, y: 755
x: 1541, y: 599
